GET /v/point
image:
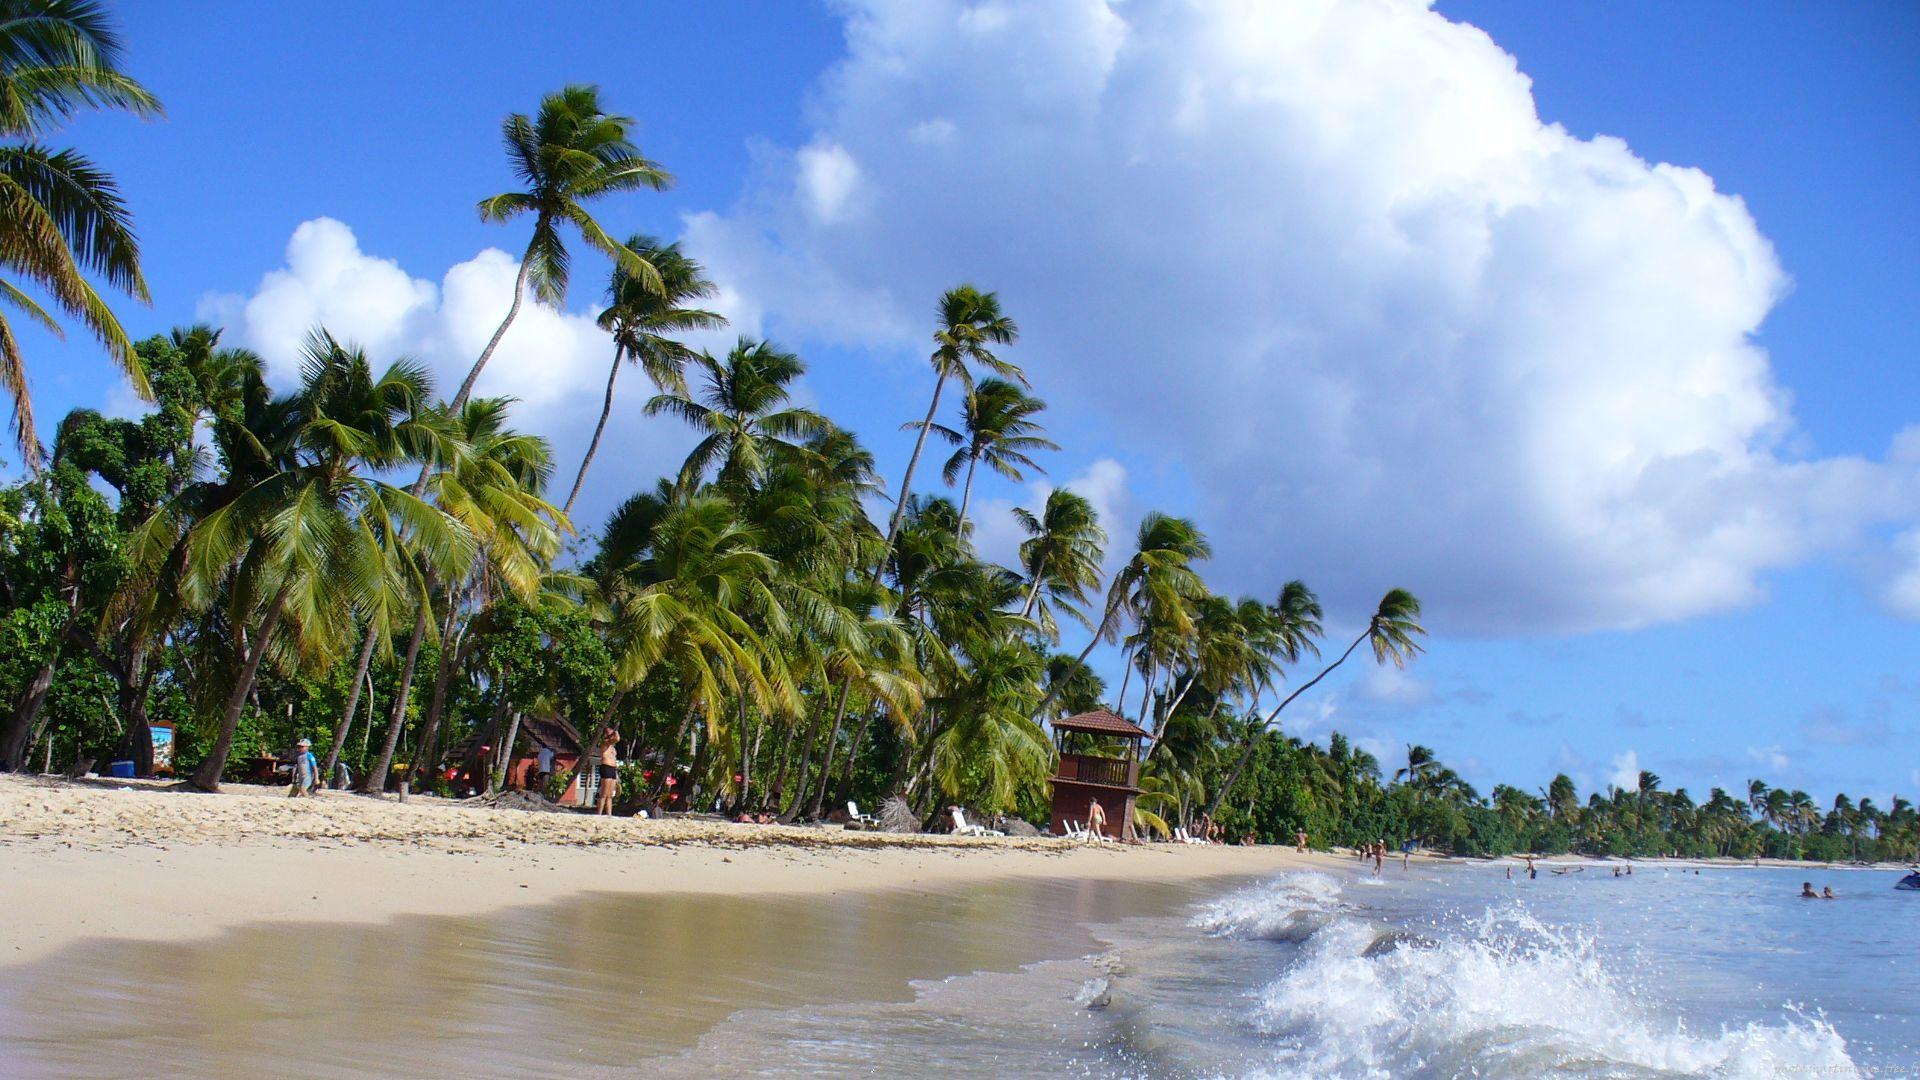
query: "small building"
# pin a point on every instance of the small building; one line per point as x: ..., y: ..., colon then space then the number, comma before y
x: 536, y: 733
x: 1099, y: 762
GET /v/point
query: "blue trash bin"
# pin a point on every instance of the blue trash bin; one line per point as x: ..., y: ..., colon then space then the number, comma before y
x: 121, y: 769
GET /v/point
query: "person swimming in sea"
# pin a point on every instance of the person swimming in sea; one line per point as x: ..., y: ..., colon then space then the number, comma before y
x: 1806, y: 891
x: 1826, y: 893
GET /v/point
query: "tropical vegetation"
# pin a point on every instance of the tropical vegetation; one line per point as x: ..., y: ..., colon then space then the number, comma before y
x: 354, y: 559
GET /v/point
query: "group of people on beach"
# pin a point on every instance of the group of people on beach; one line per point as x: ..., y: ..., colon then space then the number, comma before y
x: 1377, y: 851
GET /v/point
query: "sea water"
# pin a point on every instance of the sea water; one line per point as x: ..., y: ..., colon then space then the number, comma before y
x: 1450, y: 970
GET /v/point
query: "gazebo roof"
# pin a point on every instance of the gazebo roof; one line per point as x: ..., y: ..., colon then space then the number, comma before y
x: 1102, y: 722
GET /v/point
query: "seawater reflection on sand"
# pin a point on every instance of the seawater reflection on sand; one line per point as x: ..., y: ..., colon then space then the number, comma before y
x: 598, y: 985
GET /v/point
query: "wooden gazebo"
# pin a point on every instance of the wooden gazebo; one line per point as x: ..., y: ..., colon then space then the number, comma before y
x: 1085, y: 776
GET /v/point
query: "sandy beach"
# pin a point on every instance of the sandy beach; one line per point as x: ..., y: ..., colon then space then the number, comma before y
x: 83, y: 862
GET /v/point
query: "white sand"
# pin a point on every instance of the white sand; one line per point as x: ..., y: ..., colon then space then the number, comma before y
x: 83, y: 862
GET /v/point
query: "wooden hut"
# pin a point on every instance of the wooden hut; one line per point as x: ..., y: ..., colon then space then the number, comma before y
x: 1099, y: 762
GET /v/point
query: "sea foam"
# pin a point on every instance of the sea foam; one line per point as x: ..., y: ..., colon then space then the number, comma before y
x: 1508, y: 996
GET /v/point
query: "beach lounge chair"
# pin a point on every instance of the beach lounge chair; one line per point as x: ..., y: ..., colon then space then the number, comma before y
x: 961, y: 828
x: 1076, y: 831
x: 1182, y: 835
x: 866, y: 820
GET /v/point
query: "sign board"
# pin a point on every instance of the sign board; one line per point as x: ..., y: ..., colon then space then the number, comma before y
x: 162, y: 749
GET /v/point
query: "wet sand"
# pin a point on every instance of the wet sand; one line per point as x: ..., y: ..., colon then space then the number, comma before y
x: 597, y: 983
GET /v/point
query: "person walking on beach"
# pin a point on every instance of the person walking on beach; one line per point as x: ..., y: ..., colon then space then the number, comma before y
x: 1379, y: 857
x: 1096, y: 822
x: 1300, y: 841
x: 306, y: 771
x: 609, y: 771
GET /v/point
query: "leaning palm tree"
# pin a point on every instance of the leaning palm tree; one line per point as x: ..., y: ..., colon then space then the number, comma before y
x: 1061, y: 557
x: 61, y: 216
x: 569, y: 153
x: 642, y: 319
x: 997, y: 427
x: 1160, y: 571
x: 297, y: 541
x: 1391, y: 633
x: 970, y: 323
x: 743, y: 412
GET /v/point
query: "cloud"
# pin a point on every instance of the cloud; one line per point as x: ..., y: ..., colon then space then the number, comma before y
x: 1385, y: 684
x: 1833, y: 727
x: 997, y: 535
x: 553, y: 362
x: 1625, y: 772
x: 1772, y: 757
x: 1325, y: 259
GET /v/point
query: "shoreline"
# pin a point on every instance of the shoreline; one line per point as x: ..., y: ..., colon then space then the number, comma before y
x: 89, y: 862
x: 94, y: 860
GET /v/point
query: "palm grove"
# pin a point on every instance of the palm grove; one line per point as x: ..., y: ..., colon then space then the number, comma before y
x: 356, y: 560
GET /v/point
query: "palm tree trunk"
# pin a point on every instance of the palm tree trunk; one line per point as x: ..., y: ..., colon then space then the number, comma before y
x: 450, y: 661
x: 966, y: 495
x: 1033, y: 588
x: 1126, y: 680
x: 833, y: 744
x: 486, y: 354
x: 375, y: 781
x: 1113, y: 606
x: 906, y: 482
x: 504, y: 759
x: 671, y: 758
x: 1253, y: 739
x: 16, y: 743
x: 853, y: 755
x: 207, y: 776
x: 606, y: 410
x: 353, y: 701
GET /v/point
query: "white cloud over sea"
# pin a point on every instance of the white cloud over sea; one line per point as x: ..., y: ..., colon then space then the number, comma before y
x: 1327, y: 259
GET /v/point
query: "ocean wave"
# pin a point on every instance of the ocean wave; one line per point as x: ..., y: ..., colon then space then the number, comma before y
x: 1513, y: 997
x: 1289, y: 908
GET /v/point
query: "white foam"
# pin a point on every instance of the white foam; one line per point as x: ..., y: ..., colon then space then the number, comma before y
x: 1513, y: 997
x: 1278, y: 909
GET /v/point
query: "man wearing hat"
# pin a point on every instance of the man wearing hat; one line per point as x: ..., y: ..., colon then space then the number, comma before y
x: 306, y: 771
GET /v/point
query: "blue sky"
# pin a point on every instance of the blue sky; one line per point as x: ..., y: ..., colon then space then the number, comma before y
x: 1208, y: 308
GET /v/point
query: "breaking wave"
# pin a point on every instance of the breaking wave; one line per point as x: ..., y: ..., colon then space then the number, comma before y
x: 1504, y: 996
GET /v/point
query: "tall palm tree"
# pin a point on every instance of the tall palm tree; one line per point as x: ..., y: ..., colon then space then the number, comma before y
x: 569, y: 153
x: 297, y: 539
x: 997, y: 428
x: 494, y: 486
x: 642, y: 320
x: 1061, y: 557
x: 1391, y: 632
x: 61, y: 216
x: 1160, y: 569
x: 970, y: 324
x: 743, y: 412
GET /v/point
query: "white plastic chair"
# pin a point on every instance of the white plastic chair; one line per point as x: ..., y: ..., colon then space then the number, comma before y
x: 854, y: 814
x: 961, y: 828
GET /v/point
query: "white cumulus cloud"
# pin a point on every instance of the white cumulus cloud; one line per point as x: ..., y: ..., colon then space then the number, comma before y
x: 1625, y: 773
x: 553, y: 361
x: 1326, y: 258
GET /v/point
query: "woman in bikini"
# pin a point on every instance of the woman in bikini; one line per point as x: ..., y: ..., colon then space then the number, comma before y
x: 609, y: 771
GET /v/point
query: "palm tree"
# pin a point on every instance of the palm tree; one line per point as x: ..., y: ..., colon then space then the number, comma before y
x: 299, y: 536
x: 571, y: 152
x: 996, y: 428
x: 641, y: 320
x: 743, y: 413
x: 494, y: 487
x: 1421, y: 763
x: 1160, y: 571
x: 1390, y: 632
x: 1061, y: 557
x: 61, y: 216
x: 970, y: 323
